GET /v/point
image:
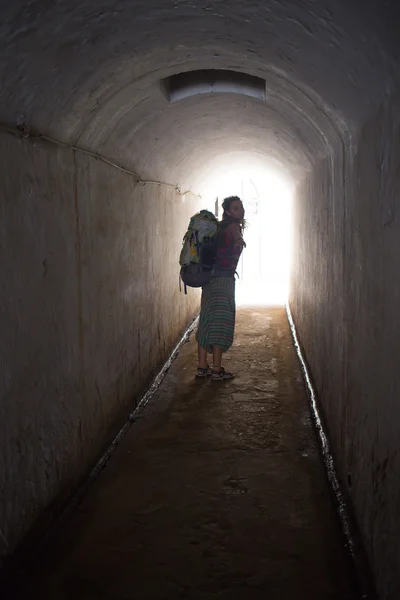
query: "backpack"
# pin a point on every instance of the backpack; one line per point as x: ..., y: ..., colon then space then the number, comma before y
x: 199, y: 248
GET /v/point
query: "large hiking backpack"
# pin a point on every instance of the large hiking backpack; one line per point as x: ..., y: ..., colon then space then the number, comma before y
x: 199, y: 248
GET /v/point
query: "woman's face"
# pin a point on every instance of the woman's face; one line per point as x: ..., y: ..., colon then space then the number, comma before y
x: 236, y: 210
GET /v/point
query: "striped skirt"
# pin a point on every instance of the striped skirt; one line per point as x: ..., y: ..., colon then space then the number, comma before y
x: 217, y: 314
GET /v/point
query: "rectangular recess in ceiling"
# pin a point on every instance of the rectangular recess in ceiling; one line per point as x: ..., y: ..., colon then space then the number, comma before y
x: 208, y: 81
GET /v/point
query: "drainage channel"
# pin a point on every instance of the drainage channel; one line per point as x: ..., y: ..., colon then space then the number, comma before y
x: 352, y: 544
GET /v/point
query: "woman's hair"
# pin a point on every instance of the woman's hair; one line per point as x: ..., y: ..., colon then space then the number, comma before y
x: 226, y: 204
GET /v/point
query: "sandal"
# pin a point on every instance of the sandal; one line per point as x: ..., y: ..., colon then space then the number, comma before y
x: 203, y: 372
x: 221, y: 375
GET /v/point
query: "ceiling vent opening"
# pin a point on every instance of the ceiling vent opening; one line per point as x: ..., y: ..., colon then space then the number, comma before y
x: 180, y: 86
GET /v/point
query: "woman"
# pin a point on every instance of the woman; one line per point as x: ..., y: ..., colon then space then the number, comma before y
x: 217, y: 314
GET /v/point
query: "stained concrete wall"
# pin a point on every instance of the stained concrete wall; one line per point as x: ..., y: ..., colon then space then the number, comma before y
x: 90, y: 308
x: 345, y: 300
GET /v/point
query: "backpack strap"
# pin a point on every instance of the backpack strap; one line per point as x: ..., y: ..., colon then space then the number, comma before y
x: 180, y: 285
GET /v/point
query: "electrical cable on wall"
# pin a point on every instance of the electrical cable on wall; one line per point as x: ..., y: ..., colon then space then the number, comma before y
x: 25, y: 132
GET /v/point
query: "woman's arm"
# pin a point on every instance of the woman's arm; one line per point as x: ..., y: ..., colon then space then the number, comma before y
x: 236, y: 233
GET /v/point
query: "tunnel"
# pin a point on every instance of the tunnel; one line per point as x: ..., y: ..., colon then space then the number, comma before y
x: 114, y: 117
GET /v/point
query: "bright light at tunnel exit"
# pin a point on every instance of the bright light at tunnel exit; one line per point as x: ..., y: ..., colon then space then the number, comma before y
x: 264, y: 267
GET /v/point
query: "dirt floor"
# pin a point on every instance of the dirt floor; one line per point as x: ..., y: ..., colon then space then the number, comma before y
x: 217, y: 491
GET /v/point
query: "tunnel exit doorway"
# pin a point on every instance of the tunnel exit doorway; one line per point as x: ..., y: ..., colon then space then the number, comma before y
x: 264, y: 267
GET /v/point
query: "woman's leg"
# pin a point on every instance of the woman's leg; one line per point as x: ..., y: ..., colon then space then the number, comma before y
x: 202, y: 354
x: 218, y: 373
x: 217, y: 358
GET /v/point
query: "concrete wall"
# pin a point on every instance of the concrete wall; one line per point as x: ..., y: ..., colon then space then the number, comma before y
x: 90, y: 308
x: 345, y: 301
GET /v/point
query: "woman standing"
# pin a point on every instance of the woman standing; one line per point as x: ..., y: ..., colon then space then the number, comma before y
x: 218, y: 310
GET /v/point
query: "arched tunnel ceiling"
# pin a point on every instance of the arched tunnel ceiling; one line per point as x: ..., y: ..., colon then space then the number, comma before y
x: 89, y: 74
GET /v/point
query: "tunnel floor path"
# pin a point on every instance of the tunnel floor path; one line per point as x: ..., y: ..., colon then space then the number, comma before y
x: 217, y: 491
